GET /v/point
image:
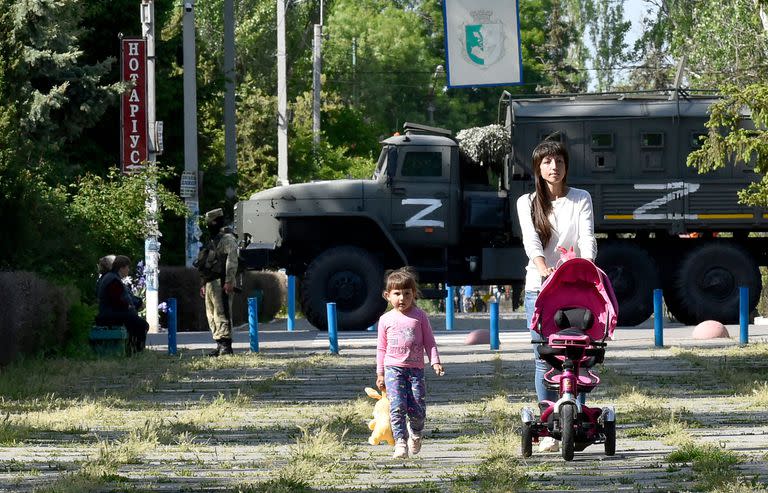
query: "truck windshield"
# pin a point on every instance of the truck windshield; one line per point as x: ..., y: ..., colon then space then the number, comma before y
x: 381, y: 164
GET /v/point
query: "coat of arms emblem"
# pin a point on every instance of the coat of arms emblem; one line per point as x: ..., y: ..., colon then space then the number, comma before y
x: 483, y: 39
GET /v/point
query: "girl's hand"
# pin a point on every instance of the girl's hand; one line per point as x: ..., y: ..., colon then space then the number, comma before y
x: 380, y: 382
x: 438, y: 369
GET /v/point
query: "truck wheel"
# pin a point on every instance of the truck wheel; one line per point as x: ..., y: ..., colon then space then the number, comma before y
x: 350, y: 277
x: 672, y: 297
x: 634, y: 275
x: 707, y: 285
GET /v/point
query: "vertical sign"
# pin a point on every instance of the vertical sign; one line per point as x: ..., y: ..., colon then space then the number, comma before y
x: 482, y: 43
x: 133, y: 105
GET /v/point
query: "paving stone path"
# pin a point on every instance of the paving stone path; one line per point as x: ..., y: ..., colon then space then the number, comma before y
x: 260, y: 412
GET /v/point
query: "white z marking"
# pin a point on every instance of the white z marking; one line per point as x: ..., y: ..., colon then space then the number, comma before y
x: 677, y: 189
x: 416, y: 220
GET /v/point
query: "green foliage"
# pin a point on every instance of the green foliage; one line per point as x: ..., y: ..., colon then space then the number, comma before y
x: 607, y: 31
x: 724, y: 42
x: 333, y: 158
x: 59, y: 96
x: 713, y: 465
x: 114, y: 207
x: 729, y: 142
x: 80, y: 320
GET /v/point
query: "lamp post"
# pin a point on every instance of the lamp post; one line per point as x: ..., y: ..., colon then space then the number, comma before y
x: 431, y: 103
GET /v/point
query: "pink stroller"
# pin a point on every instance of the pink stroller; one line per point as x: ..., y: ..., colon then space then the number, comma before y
x: 575, y: 314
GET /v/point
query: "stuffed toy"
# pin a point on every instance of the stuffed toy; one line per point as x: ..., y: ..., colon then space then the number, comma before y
x: 381, y: 430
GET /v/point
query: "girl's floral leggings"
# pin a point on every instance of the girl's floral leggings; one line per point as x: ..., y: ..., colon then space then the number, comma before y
x: 406, y: 391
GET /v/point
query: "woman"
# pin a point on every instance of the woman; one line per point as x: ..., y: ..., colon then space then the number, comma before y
x: 555, y: 215
x: 117, y: 305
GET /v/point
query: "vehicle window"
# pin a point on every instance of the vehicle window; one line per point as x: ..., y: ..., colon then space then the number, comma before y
x: 697, y: 139
x: 601, y: 140
x: 556, y: 135
x: 423, y: 164
x: 381, y: 164
x: 652, y: 140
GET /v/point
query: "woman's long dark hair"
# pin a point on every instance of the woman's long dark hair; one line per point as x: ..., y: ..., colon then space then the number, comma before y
x: 542, y: 201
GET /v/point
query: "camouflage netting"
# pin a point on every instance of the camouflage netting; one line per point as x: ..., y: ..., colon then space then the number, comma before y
x: 485, y: 146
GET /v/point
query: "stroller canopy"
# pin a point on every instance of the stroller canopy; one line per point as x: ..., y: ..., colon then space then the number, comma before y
x: 577, y: 283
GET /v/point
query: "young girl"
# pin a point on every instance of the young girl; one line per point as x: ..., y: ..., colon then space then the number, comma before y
x: 555, y: 215
x: 404, y: 335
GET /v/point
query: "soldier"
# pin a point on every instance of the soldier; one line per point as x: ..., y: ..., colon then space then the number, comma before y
x: 217, y: 263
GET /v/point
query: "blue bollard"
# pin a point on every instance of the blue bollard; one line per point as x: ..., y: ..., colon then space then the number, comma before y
x: 494, y: 326
x: 658, y: 318
x: 743, y: 315
x: 291, y: 303
x: 172, y: 326
x: 333, y: 337
x: 449, y: 309
x: 253, y: 324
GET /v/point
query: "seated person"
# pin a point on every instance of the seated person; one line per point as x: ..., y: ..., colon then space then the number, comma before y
x: 118, y: 306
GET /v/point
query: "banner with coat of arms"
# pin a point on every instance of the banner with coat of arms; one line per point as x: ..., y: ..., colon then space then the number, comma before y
x: 482, y: 43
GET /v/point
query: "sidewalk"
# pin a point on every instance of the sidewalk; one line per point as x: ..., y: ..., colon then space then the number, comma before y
x: 275, y: 336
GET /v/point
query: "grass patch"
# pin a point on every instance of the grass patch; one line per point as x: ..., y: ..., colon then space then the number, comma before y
x: 714, y: 465
x: 500, y: 469
x: 734, y: 368
x: 319, y: 456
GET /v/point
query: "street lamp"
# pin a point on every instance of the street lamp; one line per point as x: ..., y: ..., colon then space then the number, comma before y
x: 431, y: 98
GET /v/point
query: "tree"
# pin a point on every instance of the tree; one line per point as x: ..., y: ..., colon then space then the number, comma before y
x: 654, y: 66
x: 563, y: 54
x: 607, y: 32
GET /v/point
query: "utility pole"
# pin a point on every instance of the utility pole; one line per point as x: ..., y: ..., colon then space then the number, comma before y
x: 152, y: 240
x: 317, y: 61
x: 355, y: 101
x: 230, y: 130
x: 189, y: 179
x: 282, y: 99
x: 431, y: 103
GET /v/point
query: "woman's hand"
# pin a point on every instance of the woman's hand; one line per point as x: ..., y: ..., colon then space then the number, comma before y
x: 380, y: 383
x: 541, y: 266
x: 438, y: 369
x: 546, y: 271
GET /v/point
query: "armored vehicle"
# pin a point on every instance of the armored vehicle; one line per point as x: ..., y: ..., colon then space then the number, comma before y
x: 658, y: 222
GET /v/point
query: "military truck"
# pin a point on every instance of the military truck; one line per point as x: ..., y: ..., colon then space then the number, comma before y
x: 658, y: 222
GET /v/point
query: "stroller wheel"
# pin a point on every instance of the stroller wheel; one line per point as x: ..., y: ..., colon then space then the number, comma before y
x: 609, y: 428
x: 567, y: 425
x: 527, y: 440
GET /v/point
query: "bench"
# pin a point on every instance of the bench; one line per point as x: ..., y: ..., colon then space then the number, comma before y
x: 109, y: 340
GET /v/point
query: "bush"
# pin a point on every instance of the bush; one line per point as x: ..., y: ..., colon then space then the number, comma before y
x: 273, y: 286
x: 81, y: 320
x: 35, y: 314
x: 183, y: 283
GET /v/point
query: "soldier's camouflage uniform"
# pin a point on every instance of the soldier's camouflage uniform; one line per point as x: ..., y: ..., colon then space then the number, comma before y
x: 218, y: 304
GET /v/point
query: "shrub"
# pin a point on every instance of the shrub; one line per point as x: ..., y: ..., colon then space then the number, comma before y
x: 183, y: 283
x: 273, y: 286
x: 34, y: 315
x: 81, y: 318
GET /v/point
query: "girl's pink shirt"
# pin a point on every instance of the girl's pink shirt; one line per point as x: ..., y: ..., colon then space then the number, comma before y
x: 403, y: 340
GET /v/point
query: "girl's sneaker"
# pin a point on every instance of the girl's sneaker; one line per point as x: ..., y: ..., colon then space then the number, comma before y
x: 401, y: 449
x: 548, y: 444
x: 414, y: 444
